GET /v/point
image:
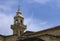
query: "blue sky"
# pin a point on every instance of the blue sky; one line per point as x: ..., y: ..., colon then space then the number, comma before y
x: 38, y: 14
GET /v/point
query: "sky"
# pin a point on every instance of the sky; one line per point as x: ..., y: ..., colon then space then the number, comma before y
x: 38, y: 14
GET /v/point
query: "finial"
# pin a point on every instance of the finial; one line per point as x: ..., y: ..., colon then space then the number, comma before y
x: 19, y: 12
x: 18, y: 8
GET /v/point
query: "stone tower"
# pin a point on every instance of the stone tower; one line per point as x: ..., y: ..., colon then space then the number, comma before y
x: 18, y: 27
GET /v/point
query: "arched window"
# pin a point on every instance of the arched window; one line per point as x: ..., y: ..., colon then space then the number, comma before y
x: 21, y: 21
x: 16, y: 21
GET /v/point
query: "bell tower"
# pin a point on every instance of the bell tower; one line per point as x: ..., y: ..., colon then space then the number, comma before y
x: 18, y: 27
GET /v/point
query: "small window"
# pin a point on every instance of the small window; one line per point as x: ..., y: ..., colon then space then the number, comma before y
x: 16, y: 21
x: 21, y: 21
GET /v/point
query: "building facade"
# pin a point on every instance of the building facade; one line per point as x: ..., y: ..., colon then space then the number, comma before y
x: 52, y: 34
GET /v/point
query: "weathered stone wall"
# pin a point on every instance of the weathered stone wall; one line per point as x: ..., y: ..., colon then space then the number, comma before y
x: 48, y: 35
x: 45, y: 38
x: 49, y: 38
x: 11, y: 38
x: 1, y: 38
x: 50, y: 32
x: 54, y: 32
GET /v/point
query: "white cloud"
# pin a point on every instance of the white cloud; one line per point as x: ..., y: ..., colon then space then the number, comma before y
x: 5, y: 22
x: 9, y: 3
x: 51, y: 3
x: 38, y: 1
x: 36, y: 24
x: 54, y: 3
x: 5, y: 8
x: 42, y: 1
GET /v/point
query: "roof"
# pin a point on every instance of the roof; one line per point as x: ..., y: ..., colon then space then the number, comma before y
x: 28, y: 32
x: 53, y: 28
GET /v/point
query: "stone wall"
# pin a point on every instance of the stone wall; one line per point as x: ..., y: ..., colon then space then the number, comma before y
x: 2, y: 38
x: 49, y: 37
x: 49, y: 31
x: 11, y: 38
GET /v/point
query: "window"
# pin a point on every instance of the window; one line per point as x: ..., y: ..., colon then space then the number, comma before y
x: 16, y: 21
x: 21, y: 21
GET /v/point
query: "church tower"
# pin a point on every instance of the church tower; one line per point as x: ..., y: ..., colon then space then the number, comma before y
x: 18, y: 27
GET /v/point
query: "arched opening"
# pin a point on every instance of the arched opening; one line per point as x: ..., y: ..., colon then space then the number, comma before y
x: 16, y: 21
x: 21, y: 21
x: 32, y: 39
